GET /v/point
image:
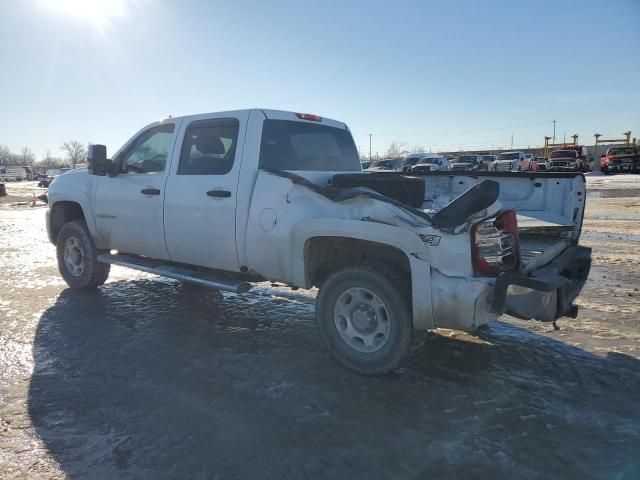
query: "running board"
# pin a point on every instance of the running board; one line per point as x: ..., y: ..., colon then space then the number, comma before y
x: 184, y: 274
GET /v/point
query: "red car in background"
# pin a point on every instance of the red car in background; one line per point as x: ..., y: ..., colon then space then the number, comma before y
x: 620, y: 159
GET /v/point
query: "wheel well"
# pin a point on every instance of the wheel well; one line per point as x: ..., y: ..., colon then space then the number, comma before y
x: 64, y: 212
x: 324, y: 255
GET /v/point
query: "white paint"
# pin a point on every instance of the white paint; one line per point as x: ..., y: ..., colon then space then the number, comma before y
x: 266, y: 222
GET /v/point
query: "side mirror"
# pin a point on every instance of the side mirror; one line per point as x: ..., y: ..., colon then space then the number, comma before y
x: 99, y: 164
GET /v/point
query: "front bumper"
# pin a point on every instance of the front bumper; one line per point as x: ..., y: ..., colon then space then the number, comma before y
x: 548, y: 293
x: 623, y: 167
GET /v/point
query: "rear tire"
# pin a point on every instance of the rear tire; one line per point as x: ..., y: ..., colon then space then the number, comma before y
x: 364, y: 318
x: 77, y: 257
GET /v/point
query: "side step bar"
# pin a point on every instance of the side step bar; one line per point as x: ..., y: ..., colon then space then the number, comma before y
x: 184, y: 274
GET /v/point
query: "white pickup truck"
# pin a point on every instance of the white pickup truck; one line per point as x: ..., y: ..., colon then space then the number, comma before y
x: 228, y: 199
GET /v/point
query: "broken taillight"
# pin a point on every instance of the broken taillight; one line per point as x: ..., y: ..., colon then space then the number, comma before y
x: 309, y: 116
x: 495, y: 245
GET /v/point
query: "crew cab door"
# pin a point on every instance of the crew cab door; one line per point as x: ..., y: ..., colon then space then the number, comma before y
x: 201, y: 197
x: 128, y: 206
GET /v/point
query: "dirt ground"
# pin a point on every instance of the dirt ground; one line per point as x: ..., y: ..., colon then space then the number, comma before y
x: 147, y: 379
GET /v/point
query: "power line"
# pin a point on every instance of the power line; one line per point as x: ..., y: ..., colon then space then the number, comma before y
x: 454, y: 132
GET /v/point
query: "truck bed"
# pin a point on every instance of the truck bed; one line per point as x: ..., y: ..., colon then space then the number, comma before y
x: 538, y: 250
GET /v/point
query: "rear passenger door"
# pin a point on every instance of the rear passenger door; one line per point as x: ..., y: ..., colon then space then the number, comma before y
x: 200, y: 199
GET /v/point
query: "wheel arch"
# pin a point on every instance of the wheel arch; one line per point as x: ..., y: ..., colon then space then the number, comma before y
x: 68, y: 209
x: 319, y: 246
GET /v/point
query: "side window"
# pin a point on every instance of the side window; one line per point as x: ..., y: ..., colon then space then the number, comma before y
x: 209, y: 147
x: 149, y: 151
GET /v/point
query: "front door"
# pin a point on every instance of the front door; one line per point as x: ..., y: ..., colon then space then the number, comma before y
x: 200, y: 202
x: 128, y: 206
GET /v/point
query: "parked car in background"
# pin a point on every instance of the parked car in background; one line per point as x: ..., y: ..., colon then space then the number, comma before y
x: 489, y: 159
x: 12, y: 173
x: 414, y: 158
x: 508, y: 162
x: 46, y: 181
x: 467, y: 163
x: 529, y: 163
x: 620, y: 159
x: 430, y: 164
x: 365, y: 165
x: 542, y: 164
x: 563, y: 161
x: 568, y: 159
x: 389, y: 165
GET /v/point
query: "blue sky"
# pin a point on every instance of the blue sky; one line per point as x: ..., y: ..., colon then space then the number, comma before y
x: 440, y: 74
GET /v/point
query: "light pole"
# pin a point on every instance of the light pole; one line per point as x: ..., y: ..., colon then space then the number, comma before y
x: 554, y: 132
x: 370, y: 135
x: 596, y: 155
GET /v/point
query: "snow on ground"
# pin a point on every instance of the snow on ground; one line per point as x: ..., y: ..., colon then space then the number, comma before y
x: 599, y: 180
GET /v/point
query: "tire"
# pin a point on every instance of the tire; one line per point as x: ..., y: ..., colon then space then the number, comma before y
x: 364, y: 318
x: 77, y: 257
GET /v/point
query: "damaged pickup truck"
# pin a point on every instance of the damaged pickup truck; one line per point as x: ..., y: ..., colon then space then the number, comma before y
x: 229, y: 199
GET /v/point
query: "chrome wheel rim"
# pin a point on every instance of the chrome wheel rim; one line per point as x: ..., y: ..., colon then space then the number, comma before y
x: 362, y: 320
x: 73, y: 256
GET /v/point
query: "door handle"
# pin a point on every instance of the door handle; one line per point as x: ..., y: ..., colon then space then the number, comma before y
x: 219, y: 193
x: 150, y: 191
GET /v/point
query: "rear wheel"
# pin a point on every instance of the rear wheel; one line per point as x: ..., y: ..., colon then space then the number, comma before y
x: 364, y: 318
x: 77, y: 257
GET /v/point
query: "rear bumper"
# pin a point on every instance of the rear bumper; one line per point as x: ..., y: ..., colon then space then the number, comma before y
x: 548, y: 293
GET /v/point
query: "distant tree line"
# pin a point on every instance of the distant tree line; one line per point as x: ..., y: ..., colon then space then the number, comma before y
x: 73, y: 152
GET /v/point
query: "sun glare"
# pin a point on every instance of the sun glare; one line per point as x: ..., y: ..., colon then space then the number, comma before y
x: 99, y: 13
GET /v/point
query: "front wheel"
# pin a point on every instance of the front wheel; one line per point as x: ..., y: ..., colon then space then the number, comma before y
x: 364, y: 318
x: 77, y: 257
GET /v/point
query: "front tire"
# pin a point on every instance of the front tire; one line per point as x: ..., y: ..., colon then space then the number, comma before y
x: 364, y: 318
x: 77, y: 257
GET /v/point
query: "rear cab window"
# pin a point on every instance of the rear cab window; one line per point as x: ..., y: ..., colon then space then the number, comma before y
x: 294, y: 145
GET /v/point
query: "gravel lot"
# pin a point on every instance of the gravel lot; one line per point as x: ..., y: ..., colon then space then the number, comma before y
x: 148, y: 379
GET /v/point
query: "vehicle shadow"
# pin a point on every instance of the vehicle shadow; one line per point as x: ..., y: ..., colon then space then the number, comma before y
x: 148, y: 379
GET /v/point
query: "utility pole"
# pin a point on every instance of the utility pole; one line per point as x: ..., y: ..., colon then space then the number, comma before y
x: 512, y: 141
x: 370, y: 135
x: 554, y: 131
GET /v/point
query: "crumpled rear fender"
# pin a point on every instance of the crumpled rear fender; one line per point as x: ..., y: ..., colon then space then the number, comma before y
x: 409, y: 243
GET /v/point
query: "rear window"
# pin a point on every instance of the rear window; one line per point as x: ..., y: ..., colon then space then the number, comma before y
x: 509, y: 156
x: 289, y: 145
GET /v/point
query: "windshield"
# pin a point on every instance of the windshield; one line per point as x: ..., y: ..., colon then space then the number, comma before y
x: 509, y: 156
x: 564, y: 154
x: 425, y: 161
x: 384, y: 164
x: 291, y: 145
x: 467, y: 158
x: 622, y: 151
x: 412, y: 160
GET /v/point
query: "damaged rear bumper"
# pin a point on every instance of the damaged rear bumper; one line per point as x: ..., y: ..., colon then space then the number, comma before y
x: 548, y: 293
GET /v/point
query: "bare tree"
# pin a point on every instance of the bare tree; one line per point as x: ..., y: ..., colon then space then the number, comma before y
x: 51, y: 162
x: 396, y: 150
x: 76, y: 152
x: 5, y: 155
x: 26, y: 156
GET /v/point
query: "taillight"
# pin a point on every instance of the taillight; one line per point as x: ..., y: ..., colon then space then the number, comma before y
x: 495, y: 245
x: 309, y: 116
